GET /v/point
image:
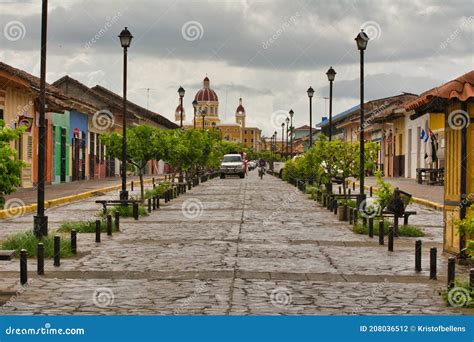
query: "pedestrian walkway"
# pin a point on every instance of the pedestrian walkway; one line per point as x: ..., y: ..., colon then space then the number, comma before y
x: 55, y: 191
x: 229, y: 247
x: 432, y: 193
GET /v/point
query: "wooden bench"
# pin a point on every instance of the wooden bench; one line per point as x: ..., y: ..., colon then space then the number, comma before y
x: 106, y: 203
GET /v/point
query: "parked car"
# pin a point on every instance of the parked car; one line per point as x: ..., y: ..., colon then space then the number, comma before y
x: 232, y: 164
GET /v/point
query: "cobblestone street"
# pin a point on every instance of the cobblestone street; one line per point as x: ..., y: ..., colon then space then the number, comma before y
x: 230, y: 247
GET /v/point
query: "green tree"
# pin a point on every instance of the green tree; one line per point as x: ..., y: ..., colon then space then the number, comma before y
x: 144, y: 143
x: 10, y: 166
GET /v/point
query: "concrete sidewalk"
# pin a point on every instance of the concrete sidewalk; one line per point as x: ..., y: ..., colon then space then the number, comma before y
x: 427, y: 193
x: 28, y: 195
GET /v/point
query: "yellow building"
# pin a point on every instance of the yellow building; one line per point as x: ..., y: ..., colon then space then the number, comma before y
x: 207, y: 109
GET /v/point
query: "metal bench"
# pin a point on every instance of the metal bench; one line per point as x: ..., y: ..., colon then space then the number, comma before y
x: 396, y: 207
x: 106, y: 203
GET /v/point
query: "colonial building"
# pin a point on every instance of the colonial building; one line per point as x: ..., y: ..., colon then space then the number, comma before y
x: 207, y: 113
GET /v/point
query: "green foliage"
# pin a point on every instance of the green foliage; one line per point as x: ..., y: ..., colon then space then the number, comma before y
x: 384, y: 190
x: 408, y: 230
x: 465, y: 228
x: 157, y: 190
x: 329, y: 159
x: 84, y: 226
x: 27, y: 240
x: 124, y: 211
x: 10, y: 165
x: 461, y: 284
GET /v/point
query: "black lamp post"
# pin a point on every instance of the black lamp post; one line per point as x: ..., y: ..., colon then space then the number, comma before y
x: 291, y: 132
x: 195, y: 103
x: 181, y: 95
x: 40, y: 221
x: 310, y: 92
x: 125, y: 40
x: 282, y: 138
x: 287, y: 127
x: 362, y: 40
x: 331, y: 76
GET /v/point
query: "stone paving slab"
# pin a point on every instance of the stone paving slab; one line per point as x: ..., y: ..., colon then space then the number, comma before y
x: 229, y: 247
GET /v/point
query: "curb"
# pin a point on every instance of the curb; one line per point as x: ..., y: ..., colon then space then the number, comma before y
x: 12, y: 212
x: 417, y: 200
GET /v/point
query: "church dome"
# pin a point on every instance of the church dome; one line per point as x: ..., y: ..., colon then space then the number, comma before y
x: 206, y: 94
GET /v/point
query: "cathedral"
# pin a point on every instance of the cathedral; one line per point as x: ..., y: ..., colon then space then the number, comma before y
x: 207, y: 109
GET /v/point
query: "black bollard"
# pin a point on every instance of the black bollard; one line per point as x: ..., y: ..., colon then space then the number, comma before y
x: 418, y: 249
x: 381, y: 233
x: 109, y: 225
x: 395, y: 225
x: 451, y: 272
x: 23, y: 267
x: 97, y: 230
x: 117, y: 221
x: 153, y: 180
x: 340, y: 190
x: 353, y: 186
x: 74, y: 241
x: 149, y: 205
x: 355, y: 217
x: 40, y: 258
x: 364, y: 218
x: 390, y: 238
x: 153, y: 201
x: 471, y: 278
x: 433, y: 261
x: 131, y: 185
x: 57, y: 251
x: 371, y: 227
x: 370, y: 191
x: 334, y: 206
x: 135, y: 211
x: 157, y: 202
x: 349, y: 191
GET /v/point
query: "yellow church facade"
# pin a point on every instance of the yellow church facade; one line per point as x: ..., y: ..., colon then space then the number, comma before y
x: 207, y: 110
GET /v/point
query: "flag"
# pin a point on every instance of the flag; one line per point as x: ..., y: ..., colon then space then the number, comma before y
x: 424, y: 136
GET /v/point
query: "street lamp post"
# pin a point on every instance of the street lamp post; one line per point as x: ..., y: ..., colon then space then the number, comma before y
x: 331, y: 76
x: 291, y: 132
x: 181, y: 95
x: 362, y: 40
x: 40, y: 221
x: 125, y: 40
x: 195, y: 103
x: 287, y: 124
x: 310, y: 92
x: 282, y: 138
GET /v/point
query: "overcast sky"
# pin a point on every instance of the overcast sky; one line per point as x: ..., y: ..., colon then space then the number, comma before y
x: 267, y: 52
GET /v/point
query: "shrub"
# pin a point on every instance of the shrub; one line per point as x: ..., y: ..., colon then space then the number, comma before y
x: 84, y: 226
x: 157, y: 190
x: 124, y: 211
x: 408, y: 230
x: 28, y: 241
